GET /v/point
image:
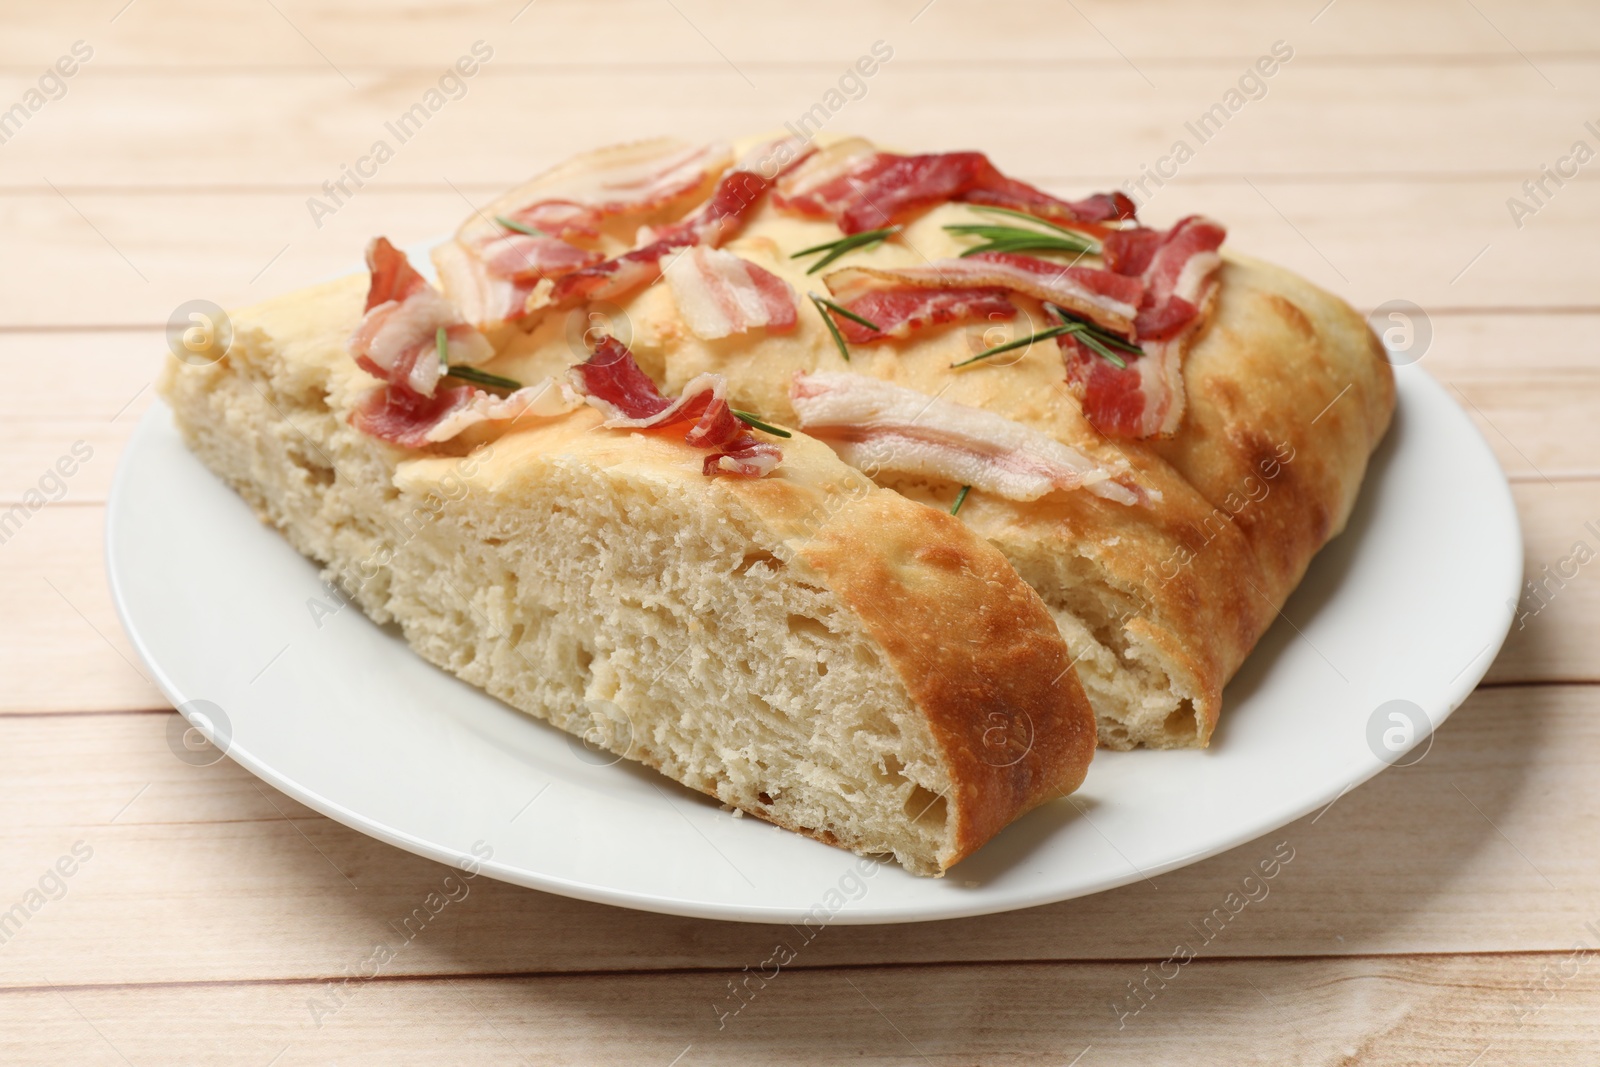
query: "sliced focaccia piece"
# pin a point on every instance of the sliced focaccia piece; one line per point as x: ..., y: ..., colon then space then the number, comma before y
x: 1238, y: 402
x: 803, y: 645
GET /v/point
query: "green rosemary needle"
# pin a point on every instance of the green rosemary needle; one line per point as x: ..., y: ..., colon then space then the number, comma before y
x: 1018, y: 239
x: 827, y: 320
x: 1021, y: 342
x: 847, y: 313
x: 1027, y: 218
x: 512, y: 224
x: 750, y: 420
x: 1101, y: 342
x: 961, y: 498
x: 824, y: 305
x: 478, y: 377
x: 835, y: 249
x: 442, y: 343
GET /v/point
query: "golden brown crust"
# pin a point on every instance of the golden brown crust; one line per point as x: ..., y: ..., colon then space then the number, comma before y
x: 1258, y: 477
x: 976, y: 649
x: 1288, y: 380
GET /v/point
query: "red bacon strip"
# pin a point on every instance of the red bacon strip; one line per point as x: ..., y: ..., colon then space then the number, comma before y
x: 1179, y: 276
x: 611, y: 381
x: 719, y: 294
x: 901, y: 312
x: 397, y: 342
x: 875, y: 424
x: 1144, y: 399
x: 862, y: 190
x: 392, y: 275
x: 1178, y: 271
x: 523, y: 257
x: 1020, y: 196
x: 1109, y: 300
x: 736, y: 196
x: 397, y: 339
x: 559, y: 218
x: 491, y: 270
x: 404, y: 418
x: 484, y: 298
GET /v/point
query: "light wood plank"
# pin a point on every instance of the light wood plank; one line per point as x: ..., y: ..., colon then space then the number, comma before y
x: 61, y: 646
x: 1317, y: 1013
x: 132, y: 260
x: 358, y: 33
x: 300, y: 127
x: 207, y: 866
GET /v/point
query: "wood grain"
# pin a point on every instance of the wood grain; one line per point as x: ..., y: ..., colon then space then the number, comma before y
x: 1312, y: 120
x: 1429, y: 916
x: 1512, y: 1009
x: 228, y: 880
x: 354, y: 34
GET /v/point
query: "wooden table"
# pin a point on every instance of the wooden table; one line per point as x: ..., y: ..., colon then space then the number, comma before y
x: 1431, y: 916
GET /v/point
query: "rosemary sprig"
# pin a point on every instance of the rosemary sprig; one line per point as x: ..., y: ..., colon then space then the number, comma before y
x: 1018, y: 239
x: 442, y: 343
x: 835, y: 249
x: 1026, y: 217
x: 1021, y: 342
x: 750, y: 420
x: 479, y: 377
x: 961, y: 498
x: 847, y: 313
x: 824, y: 305
x: 1101, y: 342
x: 1002, y: 238
x: 512, y: 224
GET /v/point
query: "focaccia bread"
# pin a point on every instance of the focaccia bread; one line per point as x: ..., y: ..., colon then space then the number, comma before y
x: 1287, y: 393
x: 861, y: 490
x: 807, y: 647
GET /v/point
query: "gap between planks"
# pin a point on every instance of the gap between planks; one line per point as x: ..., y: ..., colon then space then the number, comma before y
x: 635, y: 68
x: 820, y: 968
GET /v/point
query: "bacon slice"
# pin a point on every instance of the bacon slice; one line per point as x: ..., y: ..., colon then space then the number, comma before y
x: 638, y: 179
x: 403, y: 418
x: 1020, y: 196
x: 558, y: 218
x: 611, y: 382
x: 1107, y: 299
x: 796, y: 190
x: 397, y: 339
x: 735, y: 198
x: 523, y: 257
x: 491, y: 270
x: 1145, y: 399
x: 391, y: 275
x: 900, y: 312
x: 1179, y: 277
x: 874, y: 424
x: 719, y: 294
x: 484, y: 299
x: 1178, y: 268
x: 861, y: 190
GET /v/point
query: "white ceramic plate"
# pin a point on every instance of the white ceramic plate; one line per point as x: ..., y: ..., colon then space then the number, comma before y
x: 1410, y: 604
